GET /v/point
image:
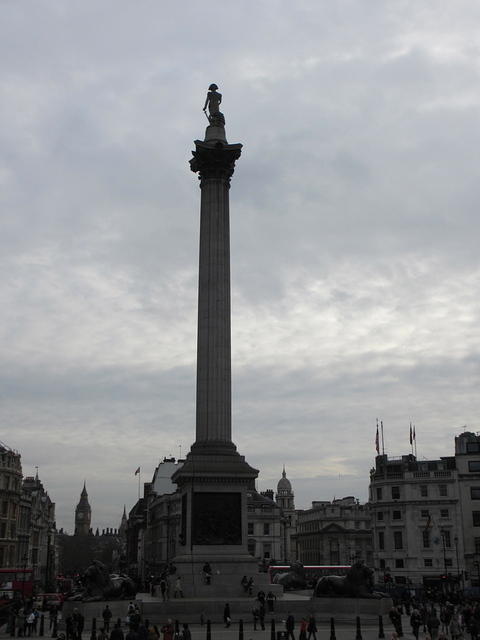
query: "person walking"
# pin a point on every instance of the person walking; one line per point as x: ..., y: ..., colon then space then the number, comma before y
x: 290, y: 626
x: 117, y: 633
x: 303, y: 629
x: 107, y: 616
x: 226, y: 615
x: 312, y: 628
x: 178, y: 591
x: 261, y: 616
x: 415, y: 622
x: 455, y: 629
x: 167, y: 630
x: 433, y: 625
x: 270, y: 599
x: 396, y: 620
x: 30, y: 623
x: 186, y: 633
x: 163, y: 588
x: 255, y: 615
x: 244, y: 583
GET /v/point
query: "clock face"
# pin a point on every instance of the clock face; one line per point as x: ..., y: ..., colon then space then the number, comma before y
x: 80, y: 516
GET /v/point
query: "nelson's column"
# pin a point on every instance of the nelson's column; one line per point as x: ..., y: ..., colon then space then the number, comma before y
x: 214, y: 479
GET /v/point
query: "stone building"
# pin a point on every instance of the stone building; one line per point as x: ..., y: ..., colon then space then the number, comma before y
x: 416, y: 518
x: 467, y: 543
x: 162, y: 526
x: 10, y: 495
x: 335, y: 533
x: 83, y: 514
x: 265, y: 541
x: 37, y: 532
x: 285, y: 499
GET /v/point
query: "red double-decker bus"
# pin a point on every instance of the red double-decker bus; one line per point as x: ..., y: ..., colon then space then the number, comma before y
x: 16, y: 582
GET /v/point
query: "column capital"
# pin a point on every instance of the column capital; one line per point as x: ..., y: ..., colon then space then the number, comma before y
x: 214, y: 161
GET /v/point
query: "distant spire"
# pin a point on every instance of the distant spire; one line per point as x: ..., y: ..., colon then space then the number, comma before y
x: 284, y: 475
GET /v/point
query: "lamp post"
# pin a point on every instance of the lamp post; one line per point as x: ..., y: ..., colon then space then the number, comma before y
x: 25, y: 560
x: 455, y: 540
x: 477, y: 565
x: 286, y: 520
x: 442, y: 533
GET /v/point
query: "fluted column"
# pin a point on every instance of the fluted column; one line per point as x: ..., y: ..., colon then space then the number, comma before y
x: 215, y: 164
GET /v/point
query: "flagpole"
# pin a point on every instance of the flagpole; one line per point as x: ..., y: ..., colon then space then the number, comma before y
x: 415, y: 440
x: 383, y: 441
x: 139, y: 474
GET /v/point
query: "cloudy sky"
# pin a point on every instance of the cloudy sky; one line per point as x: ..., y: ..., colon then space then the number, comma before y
x: 354, y: 222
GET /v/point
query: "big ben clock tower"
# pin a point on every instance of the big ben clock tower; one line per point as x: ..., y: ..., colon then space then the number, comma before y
x: 83, y: 514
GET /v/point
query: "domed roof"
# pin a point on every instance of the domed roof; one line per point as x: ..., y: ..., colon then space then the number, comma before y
x: 284, y: 483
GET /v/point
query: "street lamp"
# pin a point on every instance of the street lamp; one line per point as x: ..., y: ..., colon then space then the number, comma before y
x: 455, y: 540
x: 477, y: 565
x: 25, y: 560
x: 443, y: 534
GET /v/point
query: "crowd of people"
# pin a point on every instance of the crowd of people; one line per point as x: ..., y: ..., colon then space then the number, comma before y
x: 437, y: 620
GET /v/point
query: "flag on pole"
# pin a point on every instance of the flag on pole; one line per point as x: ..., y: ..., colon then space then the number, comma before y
x: 137, y: 471
x: 414, y: 436
x: 411, y: 434
x: 377, y: 442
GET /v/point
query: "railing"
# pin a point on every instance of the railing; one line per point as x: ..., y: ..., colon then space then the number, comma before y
x: 421, y: 474
x: 442, y: 474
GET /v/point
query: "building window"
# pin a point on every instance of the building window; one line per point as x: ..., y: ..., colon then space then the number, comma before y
x: 396, y: 515
x: 474, y: 465
x: 397, y: 540
x: 382, y: 563
x: 424, y: 513
x: 448, y: 562
x: 476, y: 518
x: 428, y: 562
x: 444, y: 513
x: 473, y: 447
x: 379, y: 515
x: 442, y: 489
x: 399, y: 563
x: 266, y: 528
x: 381, y: 540
x: 423, y: 490
x: 395, y: 493
x: 3, y: 529
x: 475, y: 493
x: 250, y: 528
x: 379, y: 493
x: 426, y: 538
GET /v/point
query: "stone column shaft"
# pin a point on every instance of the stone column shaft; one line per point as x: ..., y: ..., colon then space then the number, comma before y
x: 214, y: 421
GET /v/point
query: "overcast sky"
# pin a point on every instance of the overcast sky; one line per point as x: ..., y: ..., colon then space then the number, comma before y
x: 354, y: 232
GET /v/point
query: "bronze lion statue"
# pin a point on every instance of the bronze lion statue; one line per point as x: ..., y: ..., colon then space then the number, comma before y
x: 357, y: 583
x: 99, y: 584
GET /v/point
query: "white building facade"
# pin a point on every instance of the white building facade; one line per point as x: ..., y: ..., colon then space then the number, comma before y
x: 416, y: 520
